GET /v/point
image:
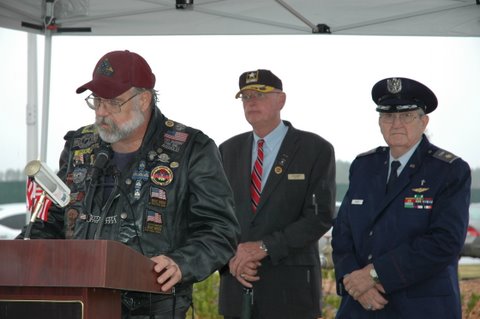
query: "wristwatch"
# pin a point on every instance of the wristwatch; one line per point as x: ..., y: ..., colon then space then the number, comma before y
x: 263, y: 247
x: 374, y: 276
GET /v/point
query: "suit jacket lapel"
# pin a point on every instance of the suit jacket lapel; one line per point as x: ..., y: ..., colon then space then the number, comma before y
x: 282, y: 161
x: 244, y: 171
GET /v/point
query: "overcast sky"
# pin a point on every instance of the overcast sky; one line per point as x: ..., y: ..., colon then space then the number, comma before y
x: 327, y: 78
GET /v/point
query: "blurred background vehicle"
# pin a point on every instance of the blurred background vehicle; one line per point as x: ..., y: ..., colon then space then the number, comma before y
x: 13, y: 217
x: 471, y: 247
x: 325, y: 246
x: 472, y: 241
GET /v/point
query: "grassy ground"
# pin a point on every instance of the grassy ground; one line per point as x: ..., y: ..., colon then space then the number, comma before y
x: 469, y: 286
x: 469, y: 271
x: 206, y: 294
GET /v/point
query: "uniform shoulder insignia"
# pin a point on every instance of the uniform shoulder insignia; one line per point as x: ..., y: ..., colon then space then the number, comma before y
x: 372, y: 151
x: 445, y: 156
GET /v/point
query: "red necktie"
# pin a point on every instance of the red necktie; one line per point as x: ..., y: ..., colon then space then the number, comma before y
x: 256, y: 184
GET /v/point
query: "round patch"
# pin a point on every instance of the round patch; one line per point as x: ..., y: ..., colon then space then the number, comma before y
x: 161, y: 175
x: 163, y: 157
x: 278, y: 170
x: 151, y: 155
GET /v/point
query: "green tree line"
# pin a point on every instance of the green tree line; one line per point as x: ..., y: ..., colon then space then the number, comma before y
x: 12, y: 183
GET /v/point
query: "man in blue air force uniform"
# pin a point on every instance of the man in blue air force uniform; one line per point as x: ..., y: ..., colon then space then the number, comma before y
x: 399, y: 231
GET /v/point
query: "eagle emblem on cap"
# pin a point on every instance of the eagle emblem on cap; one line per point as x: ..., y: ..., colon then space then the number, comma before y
x: 394, y: 85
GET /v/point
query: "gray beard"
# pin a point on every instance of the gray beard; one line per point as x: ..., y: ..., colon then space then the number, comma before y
x: 118, y: 132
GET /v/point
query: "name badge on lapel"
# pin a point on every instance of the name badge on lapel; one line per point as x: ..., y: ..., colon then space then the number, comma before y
x: 298, y: 177
x: 357, y: 201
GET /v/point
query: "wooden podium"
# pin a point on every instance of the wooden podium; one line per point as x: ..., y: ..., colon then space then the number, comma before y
x: 58, y: 279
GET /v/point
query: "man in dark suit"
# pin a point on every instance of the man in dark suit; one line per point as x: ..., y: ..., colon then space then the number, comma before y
x: 397, y: 240
x: 283, y: 181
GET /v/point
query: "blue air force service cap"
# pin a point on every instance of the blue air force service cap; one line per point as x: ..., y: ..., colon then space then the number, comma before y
x: 402, y: 95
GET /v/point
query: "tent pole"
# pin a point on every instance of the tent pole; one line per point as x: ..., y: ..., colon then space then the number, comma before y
x: 46, y: 93
x: 32, y: 99
x: 298, y: 15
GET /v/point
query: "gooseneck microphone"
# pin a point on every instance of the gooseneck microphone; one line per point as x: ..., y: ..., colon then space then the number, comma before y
x: 51, y: 186
x: 49, y: 182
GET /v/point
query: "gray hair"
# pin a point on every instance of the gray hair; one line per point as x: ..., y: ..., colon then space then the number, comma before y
x: 153, y: 92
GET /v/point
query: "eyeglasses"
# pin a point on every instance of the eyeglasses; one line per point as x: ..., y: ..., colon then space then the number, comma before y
x: 254, y: 95
x: 111, y: 105
x: 405, y: 118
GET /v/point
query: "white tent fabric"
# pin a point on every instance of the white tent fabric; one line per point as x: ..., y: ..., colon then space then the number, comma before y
x: 220, y: 17
x: 161, y: 17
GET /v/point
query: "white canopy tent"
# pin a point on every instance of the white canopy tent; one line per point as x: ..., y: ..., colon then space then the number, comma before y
x: 212, y: 17
x: 165, y: 17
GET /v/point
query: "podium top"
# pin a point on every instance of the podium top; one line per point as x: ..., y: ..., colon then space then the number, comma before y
x: 76, y: 263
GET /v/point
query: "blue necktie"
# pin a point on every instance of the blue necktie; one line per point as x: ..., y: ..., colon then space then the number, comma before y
x: 393, y: 174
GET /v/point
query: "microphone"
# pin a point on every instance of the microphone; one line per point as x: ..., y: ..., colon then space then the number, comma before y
x: 101, y: 160
x: 56, y: 190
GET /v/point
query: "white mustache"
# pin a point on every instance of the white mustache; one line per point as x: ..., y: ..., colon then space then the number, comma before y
x: 103, y: 120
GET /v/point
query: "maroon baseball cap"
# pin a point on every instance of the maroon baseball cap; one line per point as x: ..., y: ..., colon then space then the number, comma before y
x: 118, y: 71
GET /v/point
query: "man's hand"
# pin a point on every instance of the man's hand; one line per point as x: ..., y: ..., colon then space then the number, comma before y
x: 248, y: 275
x: 359, y: 281
x: 170, y: 273
x: 244, y: 264
x: 372, y: 299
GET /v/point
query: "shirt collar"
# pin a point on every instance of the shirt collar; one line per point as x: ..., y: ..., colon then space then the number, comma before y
x: 405, y: 157
x: 274, y: 137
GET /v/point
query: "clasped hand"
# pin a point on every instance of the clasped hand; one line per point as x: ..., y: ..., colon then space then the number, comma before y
x: 244, y: 265
x: 360, y: 285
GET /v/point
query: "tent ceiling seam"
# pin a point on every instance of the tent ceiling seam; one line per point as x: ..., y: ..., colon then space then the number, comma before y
x: 196, y: 9
x: 21, y: 13
x: 398, y: 17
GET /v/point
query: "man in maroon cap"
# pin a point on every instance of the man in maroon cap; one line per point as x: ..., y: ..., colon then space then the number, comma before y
x: 149, y: 182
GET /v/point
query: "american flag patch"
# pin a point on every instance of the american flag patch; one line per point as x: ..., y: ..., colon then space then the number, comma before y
x: 176, y: 136
x: 154, y: 217
x: 158, y: 193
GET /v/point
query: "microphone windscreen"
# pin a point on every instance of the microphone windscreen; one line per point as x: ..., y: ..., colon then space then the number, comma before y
x: 102, y: 158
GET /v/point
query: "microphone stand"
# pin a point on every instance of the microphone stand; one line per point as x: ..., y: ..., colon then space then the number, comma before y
x: 38, y: 205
